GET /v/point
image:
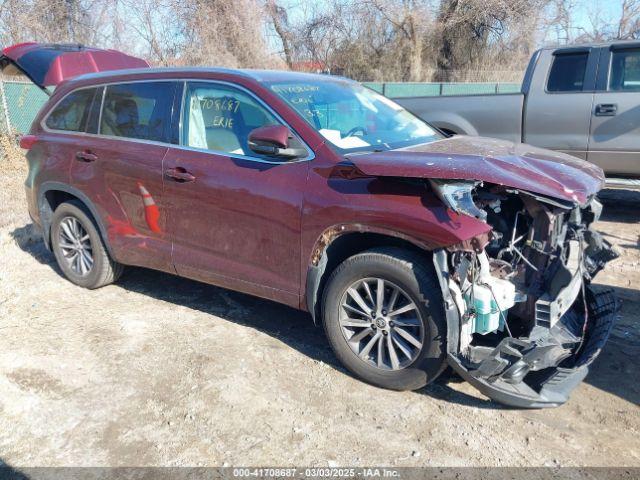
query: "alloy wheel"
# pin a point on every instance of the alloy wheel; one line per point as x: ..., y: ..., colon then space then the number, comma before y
x: 75, y: 245
x: 381, y: 324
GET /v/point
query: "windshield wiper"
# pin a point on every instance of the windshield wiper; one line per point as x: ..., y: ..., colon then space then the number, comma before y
x: 362, y: 152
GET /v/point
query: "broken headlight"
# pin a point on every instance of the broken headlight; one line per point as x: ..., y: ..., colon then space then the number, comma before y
x: 458, y: 196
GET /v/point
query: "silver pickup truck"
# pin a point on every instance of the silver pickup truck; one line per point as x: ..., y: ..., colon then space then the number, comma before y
x: 581, y: 100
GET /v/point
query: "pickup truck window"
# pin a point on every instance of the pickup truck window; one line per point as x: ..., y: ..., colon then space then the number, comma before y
x: 352, y: 117
x: 625, y: 70
x: 567, y: 72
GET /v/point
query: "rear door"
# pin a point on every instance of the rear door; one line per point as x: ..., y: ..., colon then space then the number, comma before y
x: 49, y: 64
x: 614, y: 144
x: 558, y: 106
x: 120, y: 170
x: 61, y: 135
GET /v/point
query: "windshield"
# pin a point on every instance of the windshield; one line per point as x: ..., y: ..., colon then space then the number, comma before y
x: 354, y: 118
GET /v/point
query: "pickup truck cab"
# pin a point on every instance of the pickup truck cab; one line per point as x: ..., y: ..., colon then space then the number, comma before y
x: 580, y: 100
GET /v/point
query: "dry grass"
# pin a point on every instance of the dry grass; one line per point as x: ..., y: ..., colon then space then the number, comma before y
x: 13, y: 209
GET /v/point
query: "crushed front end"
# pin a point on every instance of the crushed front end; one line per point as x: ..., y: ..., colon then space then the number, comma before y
x: 524, y: 322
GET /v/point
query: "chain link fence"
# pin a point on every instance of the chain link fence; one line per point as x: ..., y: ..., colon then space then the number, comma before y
x: 433, y: 89
x: 20, y: 100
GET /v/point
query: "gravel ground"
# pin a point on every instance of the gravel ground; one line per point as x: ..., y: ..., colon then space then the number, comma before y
x: 158, y: 370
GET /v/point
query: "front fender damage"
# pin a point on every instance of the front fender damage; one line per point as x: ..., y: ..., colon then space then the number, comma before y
x: 524, y: 323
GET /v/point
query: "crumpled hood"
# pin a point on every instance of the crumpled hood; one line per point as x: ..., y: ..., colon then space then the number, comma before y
x: 520, y: 166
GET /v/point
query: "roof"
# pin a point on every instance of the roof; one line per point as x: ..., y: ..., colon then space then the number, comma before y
x: 593, y: 44
x: 257, y: 75
x: 289, y: 76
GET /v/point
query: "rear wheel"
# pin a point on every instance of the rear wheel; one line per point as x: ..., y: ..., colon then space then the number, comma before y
x: 79, y: 249
x: 384, y: 318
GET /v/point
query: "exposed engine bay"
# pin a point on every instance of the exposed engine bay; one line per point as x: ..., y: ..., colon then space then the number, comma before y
x: 527, y: 316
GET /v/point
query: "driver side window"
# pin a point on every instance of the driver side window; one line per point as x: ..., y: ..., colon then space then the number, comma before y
x: 219, y: 118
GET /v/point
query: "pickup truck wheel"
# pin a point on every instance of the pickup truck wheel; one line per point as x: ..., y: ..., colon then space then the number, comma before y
x: 384, y: 318
x: 78, y: 248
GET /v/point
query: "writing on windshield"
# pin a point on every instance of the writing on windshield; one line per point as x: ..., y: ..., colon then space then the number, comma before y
x: 353, y: 117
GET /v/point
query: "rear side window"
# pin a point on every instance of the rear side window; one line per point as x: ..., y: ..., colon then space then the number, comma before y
x: 138, y: 110
x: 625, y: 70
x: 567, y: 72
x: 72, y: 112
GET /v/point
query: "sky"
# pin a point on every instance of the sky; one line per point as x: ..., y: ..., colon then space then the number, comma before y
x: 607, y: 8
x: 586, y: 10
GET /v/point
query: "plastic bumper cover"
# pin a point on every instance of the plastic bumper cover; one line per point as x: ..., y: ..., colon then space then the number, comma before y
x: 557, y: 387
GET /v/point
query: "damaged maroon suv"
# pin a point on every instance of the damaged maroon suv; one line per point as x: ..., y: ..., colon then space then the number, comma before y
x: 414, y: 250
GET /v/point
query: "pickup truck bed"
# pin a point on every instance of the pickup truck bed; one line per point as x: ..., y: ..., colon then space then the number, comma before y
x: 492, y: 115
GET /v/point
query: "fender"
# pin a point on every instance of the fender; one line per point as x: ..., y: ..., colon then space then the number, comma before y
x: 46, y: 213
x: 440, y: 262
x: 318, y: 260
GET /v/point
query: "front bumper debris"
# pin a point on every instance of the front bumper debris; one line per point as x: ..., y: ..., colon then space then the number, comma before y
x: 504, y: 374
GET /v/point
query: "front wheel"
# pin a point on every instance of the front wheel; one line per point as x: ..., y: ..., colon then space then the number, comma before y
x: 384, y: 317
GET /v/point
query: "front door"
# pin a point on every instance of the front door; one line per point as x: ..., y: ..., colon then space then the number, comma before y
x: 614, y: 144
x: 234, y: 215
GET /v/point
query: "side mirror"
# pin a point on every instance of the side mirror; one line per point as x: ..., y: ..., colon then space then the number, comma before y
x: 276, y: 141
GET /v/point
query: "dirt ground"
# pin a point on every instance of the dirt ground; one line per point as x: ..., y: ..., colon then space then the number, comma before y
x: 158, y: 370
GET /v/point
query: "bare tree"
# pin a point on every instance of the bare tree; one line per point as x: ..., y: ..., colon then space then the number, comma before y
x: 560, y: 20
x: 160, y: 37
x: 629, y: 24
x: 68, y: 21
x: 599, y: 26
x: 409, y: 19
x: 280, y: 20
x: 471, y: 30
x: 383, y: 40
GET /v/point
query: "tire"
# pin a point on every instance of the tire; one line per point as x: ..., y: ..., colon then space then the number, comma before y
x: 414, y: 276
x: 103, y: 270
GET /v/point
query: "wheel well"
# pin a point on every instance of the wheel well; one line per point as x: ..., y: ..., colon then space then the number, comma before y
x: 55, y: 197
x: 51, y: 199
x: 447, y: 131
x: 338, y: 251
x: 48, y: 204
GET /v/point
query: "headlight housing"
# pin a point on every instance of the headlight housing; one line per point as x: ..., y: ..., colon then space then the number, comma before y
x: 458, y: 196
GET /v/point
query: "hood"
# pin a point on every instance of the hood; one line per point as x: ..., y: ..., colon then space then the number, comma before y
x: 489, y: 160
x: 48, y: 65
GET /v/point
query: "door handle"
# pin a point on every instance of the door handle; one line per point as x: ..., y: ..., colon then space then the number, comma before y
x: 86, y: 156
x: 606, y: 109
x: 179, y: 174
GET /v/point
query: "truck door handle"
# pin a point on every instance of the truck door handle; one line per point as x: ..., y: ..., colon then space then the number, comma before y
x: 86, y: 156
x: 606, y: 109
x: 179, y: 174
